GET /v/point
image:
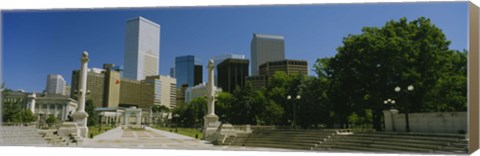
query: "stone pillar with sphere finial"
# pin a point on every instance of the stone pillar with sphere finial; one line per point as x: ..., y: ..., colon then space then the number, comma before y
x: 211, y: 122
x: 80, y: 116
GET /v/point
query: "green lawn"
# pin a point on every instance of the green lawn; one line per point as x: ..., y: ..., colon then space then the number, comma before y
x: 191, y: 132
x: 95, y: 130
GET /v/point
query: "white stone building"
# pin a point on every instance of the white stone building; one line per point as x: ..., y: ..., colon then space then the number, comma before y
x: 59, y: 106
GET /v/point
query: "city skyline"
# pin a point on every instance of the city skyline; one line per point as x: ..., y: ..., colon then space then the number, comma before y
x: 36, y: 34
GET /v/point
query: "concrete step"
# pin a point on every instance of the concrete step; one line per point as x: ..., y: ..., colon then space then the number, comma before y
x: 392, y: 143
x: 283, y: 146
x: 290, y: 138
x: 310, y: 144
x: 382, y: 147
x: 404, y: 140
x: 407, y: 137
x: 443, y: 135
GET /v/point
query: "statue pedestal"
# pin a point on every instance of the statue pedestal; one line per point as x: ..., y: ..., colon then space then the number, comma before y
x: 80, y: 119
x: 210, y: 127
x: 70, y: 129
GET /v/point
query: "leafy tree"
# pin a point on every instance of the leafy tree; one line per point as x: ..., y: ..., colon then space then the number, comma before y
x: 93, y: 117
x: 191, y: 114
x: 368, y: 67
x: 12, y: 111
x: 223, y: 106
x: 160, y: 108
x: 51, y: 119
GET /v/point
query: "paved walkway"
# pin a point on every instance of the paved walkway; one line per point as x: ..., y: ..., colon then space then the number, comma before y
x: 151, y: 138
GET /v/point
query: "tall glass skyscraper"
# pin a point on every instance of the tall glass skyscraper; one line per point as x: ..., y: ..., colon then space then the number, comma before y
x: 142, y: 48
x: 265, y: 48
x: 188, y: 70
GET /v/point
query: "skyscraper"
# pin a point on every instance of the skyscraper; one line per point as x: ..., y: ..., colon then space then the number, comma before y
x: 265, y: 48
x: 232, y: 73
x: 55, y: 84
x: 188, y: 70
x: 142, y: 48
x: 165, y: 90
x: 220, y: 58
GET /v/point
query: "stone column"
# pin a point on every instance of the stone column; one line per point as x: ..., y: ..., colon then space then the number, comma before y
x: 139, y: 118
x: 150, y: 119
x: 389, y: 118
x: 211, y: 89
x: 80, y: 116
x: 32, y: 102
x: 127, y: 115
x: 210, y: 120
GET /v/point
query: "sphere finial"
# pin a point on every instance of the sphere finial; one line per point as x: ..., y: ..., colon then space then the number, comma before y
x: 85, y: 54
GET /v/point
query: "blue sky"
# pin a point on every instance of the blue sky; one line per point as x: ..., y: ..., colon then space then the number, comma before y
x: 38, y: 43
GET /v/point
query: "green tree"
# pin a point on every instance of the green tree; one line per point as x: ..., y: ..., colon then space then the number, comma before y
x: 368, y: 66
x: 93, y: 117
x: 160, y: 108
x: 223, y: 106
x: 51, y: 119
x: 191, y: 114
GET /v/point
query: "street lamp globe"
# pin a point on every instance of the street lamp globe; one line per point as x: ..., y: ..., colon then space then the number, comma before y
x: 397, y: 89
x: 410, y: 88
x: 385, y: 102
x: 393, y: 101
x: 298, y: 97
x: 289, y: 97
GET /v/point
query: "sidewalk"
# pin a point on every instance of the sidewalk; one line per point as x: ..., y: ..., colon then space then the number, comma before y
x: 151, y: 138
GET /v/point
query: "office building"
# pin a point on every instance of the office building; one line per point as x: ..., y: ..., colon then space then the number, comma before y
x: 142, y: 48
x: 172, y: 72
x: 257, y: 82
x: 165, y: 90
x: 232, y: 73
x: 181, y: 95
x: 265, y: 48
x: 111, y: 89
x: 220, y: 58
x: 188, y: 70
x: 95, y: 85
x: 56, y: 84
x: 137, y: 93
x: 268, y: 69
x: 288, y: 66
x: 103, y: 85
x: 198, y: 91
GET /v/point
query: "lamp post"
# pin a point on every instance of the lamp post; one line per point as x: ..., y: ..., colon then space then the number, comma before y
x: 389, y: 102
x: 407, y: 105
x: 294, y: 122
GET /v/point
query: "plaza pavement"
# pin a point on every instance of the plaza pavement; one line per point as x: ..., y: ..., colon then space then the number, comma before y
x: 151, y: 138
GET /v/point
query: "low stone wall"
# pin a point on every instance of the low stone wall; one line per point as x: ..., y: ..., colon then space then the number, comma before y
x: 434, y: 122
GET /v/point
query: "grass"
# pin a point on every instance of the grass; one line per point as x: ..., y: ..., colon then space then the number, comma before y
x: 191, y: 132
x: 95, y: 130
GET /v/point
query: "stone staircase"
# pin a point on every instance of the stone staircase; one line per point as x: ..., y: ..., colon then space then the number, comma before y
x: 352, y: 141
x: 393, y: 142
x: 54, y: 139
x: 20, y: 135
x: 283, y: 138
